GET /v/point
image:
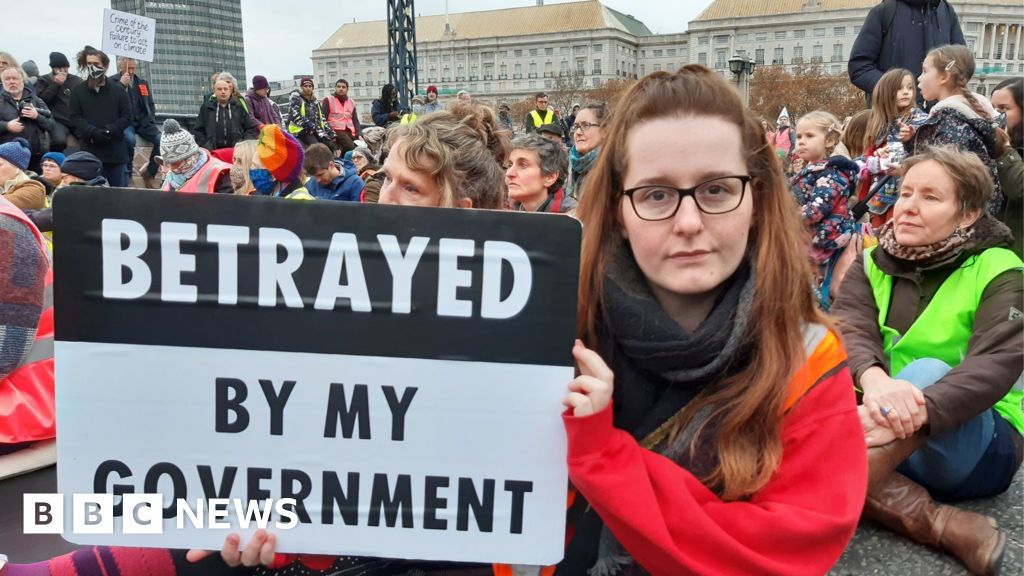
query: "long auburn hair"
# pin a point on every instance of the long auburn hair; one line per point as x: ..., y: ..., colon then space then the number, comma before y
x: 883, y: 105
x: 749, y: 405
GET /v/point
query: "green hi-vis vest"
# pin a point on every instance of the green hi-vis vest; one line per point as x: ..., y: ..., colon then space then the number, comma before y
x: 548, y: 118
x: 943, y: 330
x: 408, y: 118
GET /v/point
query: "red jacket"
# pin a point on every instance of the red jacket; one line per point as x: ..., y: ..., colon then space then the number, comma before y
x: 672, y: 524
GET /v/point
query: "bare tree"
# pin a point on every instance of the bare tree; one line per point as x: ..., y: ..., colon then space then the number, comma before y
x: 805, y: 88
x: 610, y: 92
x: 568, y: 89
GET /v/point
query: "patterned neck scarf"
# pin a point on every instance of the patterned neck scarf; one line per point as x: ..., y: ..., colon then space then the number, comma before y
x: 924, y: 255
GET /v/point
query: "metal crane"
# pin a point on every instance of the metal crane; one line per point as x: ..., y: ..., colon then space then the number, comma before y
x: 402, y: 49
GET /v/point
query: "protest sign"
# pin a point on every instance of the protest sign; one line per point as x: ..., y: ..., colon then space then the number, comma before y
x: 129, y: 35
x: 397, y: 371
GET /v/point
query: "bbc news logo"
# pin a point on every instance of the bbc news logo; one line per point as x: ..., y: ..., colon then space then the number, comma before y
x: 144, y: 513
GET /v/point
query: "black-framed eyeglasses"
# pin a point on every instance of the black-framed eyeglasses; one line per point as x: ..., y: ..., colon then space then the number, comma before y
x: 715, y: 196
x: 584, y: 126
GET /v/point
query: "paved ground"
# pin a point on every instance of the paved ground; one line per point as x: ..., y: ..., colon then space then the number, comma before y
x: 873, y: 552
x: 876, y: 551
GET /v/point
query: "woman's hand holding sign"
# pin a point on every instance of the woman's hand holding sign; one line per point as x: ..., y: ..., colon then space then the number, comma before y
x: 591, y: 391
x: 259, y: 550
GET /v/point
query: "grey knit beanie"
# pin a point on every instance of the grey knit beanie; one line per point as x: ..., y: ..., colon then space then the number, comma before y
x: 176, y: 143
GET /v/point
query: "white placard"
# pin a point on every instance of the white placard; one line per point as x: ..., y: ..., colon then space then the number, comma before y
x: 467, y: 425
x: 129, y: 35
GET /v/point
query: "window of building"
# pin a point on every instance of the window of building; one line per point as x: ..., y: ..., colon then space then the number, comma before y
x: 446, y: 58
x: 519, y: 71
x: 369, y: 78
x: 780, y: 34
x: 999, y: 51
x: 759, y: 56
x: 581, y: 64
x: 460, y: 57
x: 658, y: 53
x: 778, y: 56
x: 643, y: 67
x: 579, y: 49
x: 856, y: 30
x: 549, y: 68
x: 657, y: 67
x: 816, y: 56
x: 702, y: 58
x: 369, y: 61
x: 839, y: 31
x: 671, y: 52
x: 503, y: 70
x: 703, y: 41
x: 332, y: 64
x: 564, y: 68
x: 819, y: 32
x: 533, y: 69
x: 742, y: 38
x: 799, y: 33
x: 595, y: 82
x: 972, y: 26
x: 533, y: 51
x: 549, y: 51
x: 798, y: 54
x: 446, y: 74
x: 533, y: 83
x: 519, y: 53
x: 597, y: 66
x: 970, y: 44
x: 761, y: 36
x: 837, y: 52
x: 722, y: 39
x: 563, y: 50
x: 720, y: 59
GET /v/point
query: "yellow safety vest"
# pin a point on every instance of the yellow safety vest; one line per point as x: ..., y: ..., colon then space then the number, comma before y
x: 408, y: 118
x: 538, y: 121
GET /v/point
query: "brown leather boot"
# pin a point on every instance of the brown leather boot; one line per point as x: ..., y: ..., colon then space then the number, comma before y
x: 884, y: 459
x: 907, y: 508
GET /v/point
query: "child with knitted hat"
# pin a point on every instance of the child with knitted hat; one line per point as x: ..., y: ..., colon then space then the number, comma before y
x: 277, y: 165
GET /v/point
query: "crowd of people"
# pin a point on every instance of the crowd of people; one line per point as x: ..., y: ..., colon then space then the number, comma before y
x: 741, y: 293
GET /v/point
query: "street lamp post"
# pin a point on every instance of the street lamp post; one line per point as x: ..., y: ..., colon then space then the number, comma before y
x: 742, y: 68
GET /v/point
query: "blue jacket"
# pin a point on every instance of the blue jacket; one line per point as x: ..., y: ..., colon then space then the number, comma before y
x: 347, y: 186
x: 917, y: 27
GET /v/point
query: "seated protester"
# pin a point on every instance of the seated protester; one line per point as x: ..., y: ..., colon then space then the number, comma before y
x: 82, y: 169
x: 331, y: 178
x: 100, y: 112
x: 276, y: 168
x: 931, y: 319
x: 189, y: 167
x: 26, y: 374
x: 23, y: 115
x: 370, y: 173
x: 386, y: 109
x: 223, y: 119
x: 15, y: 185
x: 373, y: 137
x: 241, y: 160
x: 551, y: 132
x: 467, y: 145
x: 536, y: 175
x: 306, y: 119
x: 417, y: 107
x: 51, y: 163
x: 694, y: 285
x: 263, y: 109
x: 960, y: 117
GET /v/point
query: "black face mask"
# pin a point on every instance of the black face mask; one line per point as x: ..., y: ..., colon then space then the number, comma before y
x: 95, y: 72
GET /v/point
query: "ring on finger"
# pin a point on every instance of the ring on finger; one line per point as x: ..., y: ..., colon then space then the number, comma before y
x: 885, y: 410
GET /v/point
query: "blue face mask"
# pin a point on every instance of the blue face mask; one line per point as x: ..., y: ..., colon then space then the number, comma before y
x: 262, y: 181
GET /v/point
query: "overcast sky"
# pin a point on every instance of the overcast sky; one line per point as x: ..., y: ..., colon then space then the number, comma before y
x: 279, y: 42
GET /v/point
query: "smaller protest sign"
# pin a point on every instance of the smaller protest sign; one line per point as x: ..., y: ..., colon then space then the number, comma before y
x: 128, y: 35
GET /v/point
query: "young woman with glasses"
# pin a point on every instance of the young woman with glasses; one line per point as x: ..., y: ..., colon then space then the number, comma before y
x: 587, y: 134
x: 713, y: 427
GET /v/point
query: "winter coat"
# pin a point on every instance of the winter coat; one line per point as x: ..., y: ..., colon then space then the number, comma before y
x: 953, y: 121
x: 823, y: 191
x: 373, y: 180
x: 264, y: 110
x: 224, y: 126
x: 1011, y: 178
x: 381, y: 112
x: 313, y: 121
x: 99, y: 118
x: 995, y: 352
x: 557, y: 203
x: 346, y: 186
x: 57, y: 96
x: 140, y: 100
x: 35, y: 131
x: 917, y: 27
x: 24, y: 192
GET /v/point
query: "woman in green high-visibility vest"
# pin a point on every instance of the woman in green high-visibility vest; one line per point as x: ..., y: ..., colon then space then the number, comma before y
x: 933, y: 324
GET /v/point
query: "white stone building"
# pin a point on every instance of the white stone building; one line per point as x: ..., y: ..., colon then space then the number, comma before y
x: 801, y: 31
